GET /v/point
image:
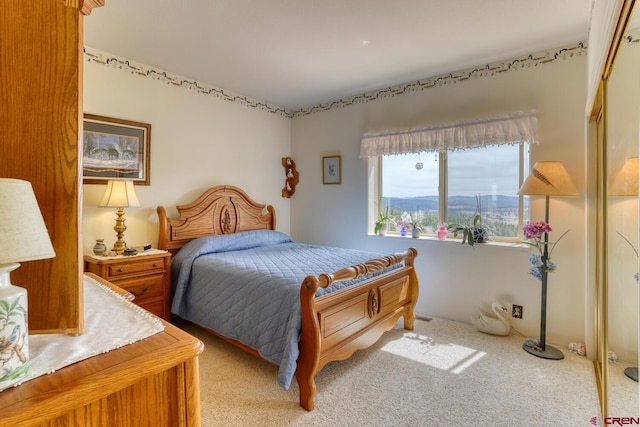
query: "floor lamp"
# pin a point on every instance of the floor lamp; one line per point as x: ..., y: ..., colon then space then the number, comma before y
x: 626, y: 185
x: 546, y: 179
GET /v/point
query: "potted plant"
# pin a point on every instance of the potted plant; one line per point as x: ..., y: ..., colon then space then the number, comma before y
x: 381, y: 225
x: 407, y: 222
x: 472, y: 233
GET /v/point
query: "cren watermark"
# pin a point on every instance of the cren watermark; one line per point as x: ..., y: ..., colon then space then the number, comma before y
x: 615, y: 421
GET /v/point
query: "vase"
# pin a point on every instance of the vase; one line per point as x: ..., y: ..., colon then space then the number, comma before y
x: 14, y: 335
x: 383, y: 230
x: 442, y: 232
x: 99, y: 248
x: 403, y: 232
x: 415, y: 232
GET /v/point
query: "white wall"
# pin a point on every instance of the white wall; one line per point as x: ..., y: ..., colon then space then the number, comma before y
x: 458, y: 281
x: 197, y: 141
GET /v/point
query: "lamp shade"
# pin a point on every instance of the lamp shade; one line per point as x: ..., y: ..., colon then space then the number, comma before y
x: 548, y: 179
x: 626, y: 181
x: 23, y: 233
x: 119, y: 194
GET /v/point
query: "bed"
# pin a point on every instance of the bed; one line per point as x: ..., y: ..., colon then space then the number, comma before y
x: 319, y: 312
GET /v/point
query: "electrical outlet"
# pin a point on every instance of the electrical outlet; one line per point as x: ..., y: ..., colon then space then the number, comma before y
x: 516, y: 311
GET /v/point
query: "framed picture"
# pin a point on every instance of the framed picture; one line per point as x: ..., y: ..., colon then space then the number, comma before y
x: 331, y: 170
x: 115, y: 149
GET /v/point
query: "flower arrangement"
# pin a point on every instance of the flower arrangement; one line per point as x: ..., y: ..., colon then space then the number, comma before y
x: 407, y: 222
x: 534, y: 231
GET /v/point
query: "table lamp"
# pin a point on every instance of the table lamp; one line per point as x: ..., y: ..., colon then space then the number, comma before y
x: 119, y: 194
x: 546, y: 179
x: 23, y: 237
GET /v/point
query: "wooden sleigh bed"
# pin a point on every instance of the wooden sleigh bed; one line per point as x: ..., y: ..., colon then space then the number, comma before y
x: 334, y: 325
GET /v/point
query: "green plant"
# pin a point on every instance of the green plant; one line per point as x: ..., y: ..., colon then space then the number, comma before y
x: 468, y: 231
x: 472, y: 233
x: 380, y: 223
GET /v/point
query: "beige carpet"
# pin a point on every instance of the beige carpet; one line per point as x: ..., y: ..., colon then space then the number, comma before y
x: 444, y: 373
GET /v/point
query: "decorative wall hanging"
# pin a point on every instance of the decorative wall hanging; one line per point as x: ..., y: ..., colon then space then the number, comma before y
x: 115, y: 149
x: 292, y: 177
x: 331, y: 170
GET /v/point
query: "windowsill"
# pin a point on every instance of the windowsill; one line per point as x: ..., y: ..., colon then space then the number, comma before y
x: 515, y: 245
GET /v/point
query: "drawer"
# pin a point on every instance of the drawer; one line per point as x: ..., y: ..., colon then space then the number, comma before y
x: 155, y: 265
x: 143, y: 287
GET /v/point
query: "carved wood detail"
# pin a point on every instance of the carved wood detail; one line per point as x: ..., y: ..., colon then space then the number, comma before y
x: 220, y: 210
x: 373, y: 303
x: 84, y: 6
x: 292, y: 177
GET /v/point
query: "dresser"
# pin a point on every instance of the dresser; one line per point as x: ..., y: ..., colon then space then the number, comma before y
x: 147, y: 276
x: 152, y: 382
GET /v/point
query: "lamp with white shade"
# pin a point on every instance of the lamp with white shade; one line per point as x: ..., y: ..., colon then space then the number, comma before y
x: 23, y: 237
x: 119, y: 194
x: 625, y: 184
x: 546, y: 179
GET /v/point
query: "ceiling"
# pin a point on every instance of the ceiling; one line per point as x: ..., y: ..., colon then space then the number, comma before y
x: 301, y: 53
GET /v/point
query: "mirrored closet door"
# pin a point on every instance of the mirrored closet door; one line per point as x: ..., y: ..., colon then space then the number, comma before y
x: 620, y: 157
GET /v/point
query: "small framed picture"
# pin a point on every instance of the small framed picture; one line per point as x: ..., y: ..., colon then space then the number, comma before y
x: 331, y: 170
x: 115, y: 149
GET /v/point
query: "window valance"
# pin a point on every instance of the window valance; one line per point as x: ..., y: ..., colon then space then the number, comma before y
x: 516, y: 128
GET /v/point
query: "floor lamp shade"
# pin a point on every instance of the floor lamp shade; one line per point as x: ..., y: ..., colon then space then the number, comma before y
x: 546, y: 179
x: 23, y: 237
x: 119, y: 194
x: 626, y: 181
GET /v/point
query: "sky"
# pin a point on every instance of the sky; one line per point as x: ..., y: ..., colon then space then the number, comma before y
x: 482, y: 171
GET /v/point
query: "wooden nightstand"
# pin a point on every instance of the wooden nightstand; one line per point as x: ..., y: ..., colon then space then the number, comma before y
x: 147, y: 276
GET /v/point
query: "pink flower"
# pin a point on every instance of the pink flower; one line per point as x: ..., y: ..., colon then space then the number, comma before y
x: 535, y: 229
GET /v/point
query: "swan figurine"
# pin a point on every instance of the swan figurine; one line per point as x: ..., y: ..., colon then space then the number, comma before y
x: 498, y: 325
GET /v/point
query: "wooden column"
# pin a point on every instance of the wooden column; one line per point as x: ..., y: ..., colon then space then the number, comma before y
x: 41, y: 46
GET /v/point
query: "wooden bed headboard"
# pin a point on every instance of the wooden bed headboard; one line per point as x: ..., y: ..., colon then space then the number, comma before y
x: 224, y: 209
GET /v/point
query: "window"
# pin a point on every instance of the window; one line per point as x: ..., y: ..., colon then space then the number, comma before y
x: 451, y: 186
x: 478, y: 166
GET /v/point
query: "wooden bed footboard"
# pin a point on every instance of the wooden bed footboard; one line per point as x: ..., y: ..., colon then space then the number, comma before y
x: 336, y: 325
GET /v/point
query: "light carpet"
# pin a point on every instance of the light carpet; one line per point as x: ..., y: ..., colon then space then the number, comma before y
x: 444, y: 373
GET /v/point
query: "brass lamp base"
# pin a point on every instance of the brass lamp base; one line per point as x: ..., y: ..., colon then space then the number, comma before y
x: 120, y: 245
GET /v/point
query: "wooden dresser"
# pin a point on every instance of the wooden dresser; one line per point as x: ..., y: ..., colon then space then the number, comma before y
x: 153, y: 382
x: 147, y: 276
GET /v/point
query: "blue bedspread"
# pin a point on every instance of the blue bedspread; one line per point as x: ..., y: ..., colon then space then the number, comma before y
x: 246, y: 286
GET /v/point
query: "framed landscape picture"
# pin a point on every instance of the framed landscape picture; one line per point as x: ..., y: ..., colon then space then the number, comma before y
x: 331, y: 170
x: 115, y: 149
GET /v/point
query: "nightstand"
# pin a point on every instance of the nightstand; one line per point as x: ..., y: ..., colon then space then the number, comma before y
x: 147, y: 276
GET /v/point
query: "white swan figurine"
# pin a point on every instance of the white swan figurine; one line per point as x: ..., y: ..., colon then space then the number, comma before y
x: 498, y: 325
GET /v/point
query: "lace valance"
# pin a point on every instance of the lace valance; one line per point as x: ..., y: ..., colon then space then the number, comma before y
x: 511, y: 129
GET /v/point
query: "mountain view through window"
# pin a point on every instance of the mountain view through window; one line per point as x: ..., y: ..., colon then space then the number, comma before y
x: 484, y: 180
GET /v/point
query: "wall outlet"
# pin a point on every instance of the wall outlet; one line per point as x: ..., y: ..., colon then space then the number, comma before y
x: 516, y: 311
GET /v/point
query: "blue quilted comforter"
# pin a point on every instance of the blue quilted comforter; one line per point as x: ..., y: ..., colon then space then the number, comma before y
x: 246, y: 286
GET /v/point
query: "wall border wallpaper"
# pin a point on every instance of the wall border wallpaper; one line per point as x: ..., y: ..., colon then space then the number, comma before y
x: 110, y: 60
x: 488, y: 70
